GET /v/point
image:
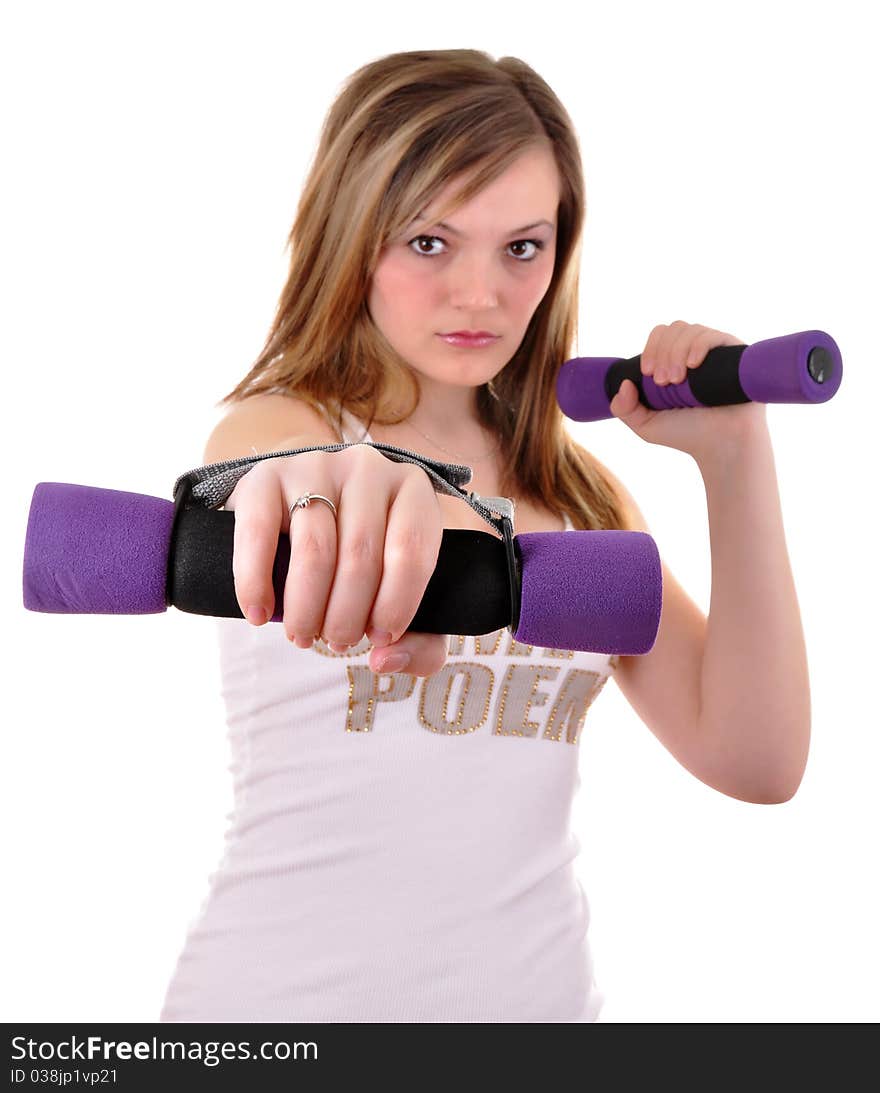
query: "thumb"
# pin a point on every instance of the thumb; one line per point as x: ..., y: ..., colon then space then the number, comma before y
x: 626, y: 399
x: 427, y: 653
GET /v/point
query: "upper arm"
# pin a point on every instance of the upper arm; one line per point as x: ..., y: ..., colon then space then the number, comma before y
x: 663, y: 686
x: 267, y: 423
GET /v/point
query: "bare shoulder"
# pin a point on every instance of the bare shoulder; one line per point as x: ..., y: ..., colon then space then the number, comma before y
x: 266, y: 422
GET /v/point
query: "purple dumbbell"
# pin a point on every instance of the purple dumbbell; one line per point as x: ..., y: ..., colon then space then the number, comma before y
x: 804, y: 367
x: 98, y: 551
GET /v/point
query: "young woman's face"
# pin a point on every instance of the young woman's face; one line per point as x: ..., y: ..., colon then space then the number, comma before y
x: 489, y: 274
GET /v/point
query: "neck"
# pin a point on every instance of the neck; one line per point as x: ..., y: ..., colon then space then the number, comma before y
x: 475, y: 445
x: 445, y: 410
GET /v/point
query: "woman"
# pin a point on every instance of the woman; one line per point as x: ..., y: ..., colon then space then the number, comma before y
x: 400, y: 847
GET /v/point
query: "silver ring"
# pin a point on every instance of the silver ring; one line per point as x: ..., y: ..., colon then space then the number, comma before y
x: 306, y: 499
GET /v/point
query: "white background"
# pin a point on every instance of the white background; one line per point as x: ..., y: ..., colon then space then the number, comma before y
x: 154, y: 154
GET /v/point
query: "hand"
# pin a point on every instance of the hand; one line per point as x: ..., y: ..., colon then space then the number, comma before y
x: 363, y: 571
x: 670, y: 351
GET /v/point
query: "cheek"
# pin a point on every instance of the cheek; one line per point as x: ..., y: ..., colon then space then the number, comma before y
x: 399, y: 287
x: 532, y: 290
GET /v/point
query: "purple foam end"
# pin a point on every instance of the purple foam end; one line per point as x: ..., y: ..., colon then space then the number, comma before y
x: 96, y: 551
x: 779, y: 369
x: 595, y: 591
x: 580, y: 388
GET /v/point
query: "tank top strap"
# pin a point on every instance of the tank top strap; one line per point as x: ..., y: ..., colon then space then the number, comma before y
x: 353, y: 431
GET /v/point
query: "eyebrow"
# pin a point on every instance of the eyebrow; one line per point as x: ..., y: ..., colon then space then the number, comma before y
x: 513, y: 231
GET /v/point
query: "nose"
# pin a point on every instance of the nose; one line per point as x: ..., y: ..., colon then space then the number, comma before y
x: 473, y: 285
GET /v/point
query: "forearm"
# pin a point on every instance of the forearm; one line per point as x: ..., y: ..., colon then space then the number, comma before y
x: 755, y: 700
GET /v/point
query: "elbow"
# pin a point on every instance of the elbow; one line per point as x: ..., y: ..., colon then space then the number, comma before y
x: 780, y: 792
x: 758, y: 776
x: 765, y: 762
x: 791, y: 774
x: 779, y: 798
x: 752, y: 790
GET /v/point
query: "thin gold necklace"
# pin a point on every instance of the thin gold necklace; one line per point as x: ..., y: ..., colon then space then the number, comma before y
x: 457, y: 458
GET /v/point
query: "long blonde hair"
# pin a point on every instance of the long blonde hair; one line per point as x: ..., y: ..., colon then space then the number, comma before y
x: 402, y: 128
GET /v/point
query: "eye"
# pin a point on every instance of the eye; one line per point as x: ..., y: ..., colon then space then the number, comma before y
x: 537, y: 244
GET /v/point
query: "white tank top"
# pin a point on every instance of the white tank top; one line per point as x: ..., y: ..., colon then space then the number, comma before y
x: 400, y: 847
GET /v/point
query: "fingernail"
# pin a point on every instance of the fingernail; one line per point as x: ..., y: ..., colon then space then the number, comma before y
x: 256, y: 615
x: 395, y: 663
x: 379, y: 637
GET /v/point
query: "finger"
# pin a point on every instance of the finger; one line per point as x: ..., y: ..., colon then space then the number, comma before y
x: 313, y: 547
x: 626, y: 406
x: 259, y: 507
x: 649, y: 353
x: 671, y: 354
x: 428, y: 653
x: 368, y: 480
x: 690, y: 352
x: 684, y: 347
x: 413, y: 537
x: 708, y: 340
x: 625, y: 400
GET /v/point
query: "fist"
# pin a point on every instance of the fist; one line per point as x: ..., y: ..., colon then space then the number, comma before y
x: 361, y: 572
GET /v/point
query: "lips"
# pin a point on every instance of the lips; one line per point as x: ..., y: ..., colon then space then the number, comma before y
x: 470, y: 341
x: 469, y: 334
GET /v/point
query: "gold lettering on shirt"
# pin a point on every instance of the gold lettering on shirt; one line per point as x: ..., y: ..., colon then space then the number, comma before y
x: 456, y: 700
x: 367, y: 690
x: 465, y: 695
x: 498, y: 642
x: 570, y: 710
x: 520, y: 691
